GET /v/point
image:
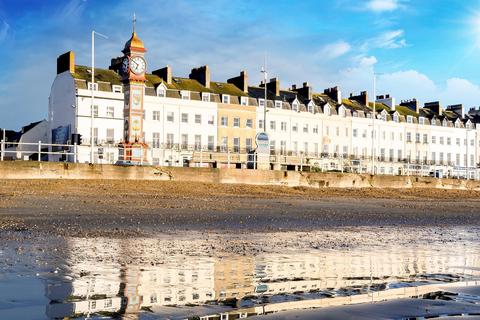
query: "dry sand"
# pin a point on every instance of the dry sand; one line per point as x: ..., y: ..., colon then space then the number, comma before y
x: 139, y: 208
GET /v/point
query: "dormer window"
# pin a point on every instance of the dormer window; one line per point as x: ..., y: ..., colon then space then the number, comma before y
x: 445, y: 123
x: 93, y: 86
x: 457, y: 124
x: 469, y: 126
x: 395, y: 118
x: 278, y: 104
x: 434, y: 122
x: 244, y: 101
x: 421, y: 120
x: 261, y: 102
x: 341, y: 112
x: 117, y: 89
x: 409, y: 119
x: 310, y: 108
x: 295, y: 107
x: 226, y: 98
x: 355, y: 114
x: 327, y: 110
x: 205, y: 97
x: 161, y: 92
x: 185, y: 95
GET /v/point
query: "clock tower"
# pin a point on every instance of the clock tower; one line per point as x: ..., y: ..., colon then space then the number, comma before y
x: 133, y: 77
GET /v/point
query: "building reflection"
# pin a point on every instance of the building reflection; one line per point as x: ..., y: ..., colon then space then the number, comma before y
x: 96, y: 283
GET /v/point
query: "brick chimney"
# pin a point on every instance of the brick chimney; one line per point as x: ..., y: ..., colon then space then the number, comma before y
x: 434, y: 106
x: 411, y: 104
x: 66, y: 62
x: 305, y: 92
x: 165, y: 74
x: 241, y: 81
x: 202, y: 75
x: 361, y: 98
x: 334, y: 94
x: 274, y: 86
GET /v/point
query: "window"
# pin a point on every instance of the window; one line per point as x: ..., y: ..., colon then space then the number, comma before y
x: 283, y: 126
x: 261, y: 102
x: 107, y: 303
x: 198, y: 142
x: 409, y: 137
x: 305, y: 147
x: 310, y: 108
x: 211, y: 143
x: 184, y: 141
x: 421, y: 120
x: 161, y: 92
x: 224, y: 121
x: 93, y: 86
x: 156, y: 115
x: 434, y: 139
x: 169, y: 140
x: 283, y: 147
x: 458, y: 141
x: 355, y: 133
x: 198, y: 118
x: 409, y: 119
x: 449, y: 141
x: 425, y: 138
x: 236, y: 144
x: 442, y: 140
x: 110, y: 135
x: 434, y: 122
x: 225, y: 98
x: 170, y: 116
x: 278, y: 104
x: 205, y: 96
x: 244, y: 101
x: 260, y: 124
x: 110, y: 112
x: 236, y: 122
x: 395, y: 118
x: 273, y: 125
x: 155, y: 140
x: 249, y: 123
x: 95, y: 111
x: 305, y: 128
x: 211, y: 120
x: 117, y: 89
x: 327, y: 110
x: 295, y: 147
x: 224, y: 144
x: 295, y: 107
x: 272, y: 146
x: 315, y: 128
x: 417, y: 137
x: 248, y: 144
x: 295, y: 127
x: 185, y: 117
x: 185, y: 95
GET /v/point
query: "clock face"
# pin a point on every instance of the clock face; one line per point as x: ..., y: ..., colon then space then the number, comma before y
x: 137, y: 65
x: 125, y: 64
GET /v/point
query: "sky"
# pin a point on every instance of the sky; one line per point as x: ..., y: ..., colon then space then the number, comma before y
x: 424, y: 49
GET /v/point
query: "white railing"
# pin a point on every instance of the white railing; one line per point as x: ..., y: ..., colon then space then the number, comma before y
x: 223, y: 156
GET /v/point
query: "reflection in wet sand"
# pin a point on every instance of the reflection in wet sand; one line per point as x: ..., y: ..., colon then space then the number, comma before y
x: 111, y: 276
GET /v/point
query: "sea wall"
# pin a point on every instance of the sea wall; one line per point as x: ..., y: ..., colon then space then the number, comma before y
x: 56, y: 170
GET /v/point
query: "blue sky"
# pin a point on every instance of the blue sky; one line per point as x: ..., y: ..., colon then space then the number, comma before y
x: 426, y: 49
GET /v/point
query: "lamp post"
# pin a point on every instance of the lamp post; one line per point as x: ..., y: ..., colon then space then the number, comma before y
x: 264, y: 71
x: 92, y: 89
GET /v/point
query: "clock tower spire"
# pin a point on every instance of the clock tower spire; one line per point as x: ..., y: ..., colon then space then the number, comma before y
x: 133, y: 78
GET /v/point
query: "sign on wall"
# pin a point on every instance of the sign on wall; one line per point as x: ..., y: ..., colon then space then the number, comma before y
x: 263, y: 143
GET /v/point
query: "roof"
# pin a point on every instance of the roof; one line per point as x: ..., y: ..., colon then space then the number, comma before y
x: 84, y: 73
x: 226, y: 88
x: 405, y: 111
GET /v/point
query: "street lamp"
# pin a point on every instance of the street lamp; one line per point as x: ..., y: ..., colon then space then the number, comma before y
x: 373, y: 119
x: 264, y: 71
x: 92, y: 88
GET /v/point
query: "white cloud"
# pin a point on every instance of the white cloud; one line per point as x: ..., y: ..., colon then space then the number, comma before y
x: 4, y: 28
x: 368, y: 61
x: 392, y: 39
x: 335, y: 50
x: 382, y: 5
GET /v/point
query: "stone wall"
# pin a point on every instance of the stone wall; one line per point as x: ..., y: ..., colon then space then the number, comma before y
x: 56, y: 170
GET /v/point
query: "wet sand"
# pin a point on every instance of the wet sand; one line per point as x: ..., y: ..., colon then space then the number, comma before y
x: 117, y: 208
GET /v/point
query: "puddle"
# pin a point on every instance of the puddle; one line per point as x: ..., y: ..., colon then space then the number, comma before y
x: 212, y: 275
